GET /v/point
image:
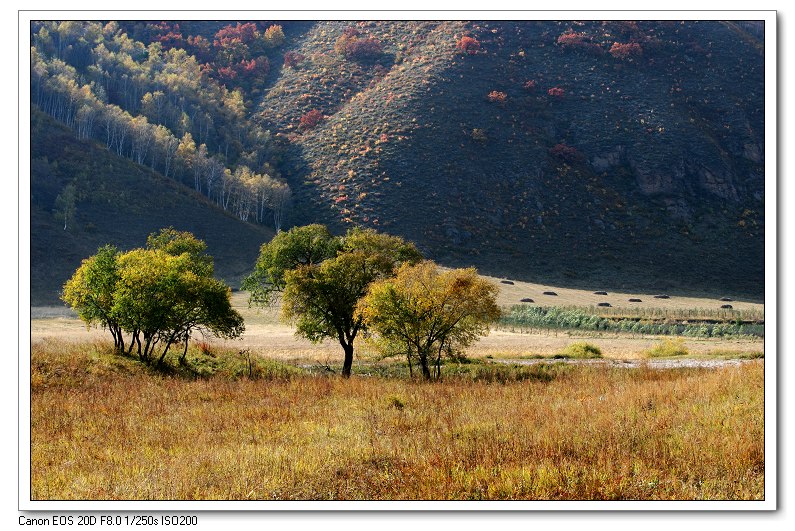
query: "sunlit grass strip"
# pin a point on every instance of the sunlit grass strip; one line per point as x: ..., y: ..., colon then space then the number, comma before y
x: 106, y: 430
x: 560, y: 318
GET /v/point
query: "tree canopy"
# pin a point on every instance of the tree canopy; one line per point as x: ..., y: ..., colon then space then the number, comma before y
x: 90, y: 291
x: 426, y: 313
x: 322, y: 277
x: 159, y: 295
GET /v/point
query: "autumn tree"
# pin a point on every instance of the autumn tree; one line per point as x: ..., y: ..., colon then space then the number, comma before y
x: 426, y: 313
x: 322, y: 278
x: 158, y: 296
x: 90, y: 292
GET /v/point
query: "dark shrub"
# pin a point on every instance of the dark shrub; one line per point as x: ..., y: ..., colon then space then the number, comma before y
x: 566, y: 153
x: 291, y: 59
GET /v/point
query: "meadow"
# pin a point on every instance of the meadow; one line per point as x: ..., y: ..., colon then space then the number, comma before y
x: 106, y: 427
x: 267, y: 417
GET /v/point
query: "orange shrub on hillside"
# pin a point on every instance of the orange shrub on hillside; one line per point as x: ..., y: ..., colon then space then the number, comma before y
x: 497, y: 97
x: 469, y: 45
x: 311, y: 119
x: 628, y: 51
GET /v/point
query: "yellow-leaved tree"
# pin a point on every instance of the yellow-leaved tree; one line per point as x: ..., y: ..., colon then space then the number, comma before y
x: 427, y: 313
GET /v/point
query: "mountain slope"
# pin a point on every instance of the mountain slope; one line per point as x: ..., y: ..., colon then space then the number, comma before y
x: 647, y: 172
x: 117, y: 202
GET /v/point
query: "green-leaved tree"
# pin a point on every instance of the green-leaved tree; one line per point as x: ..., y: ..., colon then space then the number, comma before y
x: 90, y: 292
x: 157, y: 296
x: 322, y: 278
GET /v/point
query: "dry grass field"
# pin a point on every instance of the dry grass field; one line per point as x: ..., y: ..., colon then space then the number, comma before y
x: 103, y: 427
x: 106, y: 427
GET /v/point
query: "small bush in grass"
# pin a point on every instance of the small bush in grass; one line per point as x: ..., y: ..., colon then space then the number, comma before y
x: 469, y: 45
x: 395, y: 402
x: 581, y: 350
x: 626, y: 52
x: 497, y: 97
x: 310, y: 120
x: 566, y: 153
x: 362, y: 49
x: 556, y: 92
x: 668, y: 348
x: 291, y: 59
x: 479, y: 135
x: 579, y: 41
x: 350, y: 46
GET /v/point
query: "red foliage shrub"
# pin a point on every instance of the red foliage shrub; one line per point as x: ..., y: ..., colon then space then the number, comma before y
x: 291, y: 59
x: 497, y: 97
x: 256, y: 67
x: 358, y: 49
x: 350, y: 46
x: 565, y: 153
x: 556, y: 92
x: 628, y: 51
x: 468, y: 45
x: 579, y: 41
x: 199, y: 47
x: 310, y: 120
x: 226, y: 73
x: 245, y: 33
x: 167, y: 35
x: 530, y: 86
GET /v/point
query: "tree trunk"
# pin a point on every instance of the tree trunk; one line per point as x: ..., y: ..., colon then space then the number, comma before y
x: 184, y: 352
x: 426, y: 372
x: 348, y: 363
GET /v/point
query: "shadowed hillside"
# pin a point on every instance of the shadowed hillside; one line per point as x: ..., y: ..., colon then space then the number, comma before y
x: 116, y: 202
x: 624, y: 155
x: 547, y: 153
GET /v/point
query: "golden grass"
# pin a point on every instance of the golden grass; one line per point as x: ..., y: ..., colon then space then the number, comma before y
x: 102, y: 427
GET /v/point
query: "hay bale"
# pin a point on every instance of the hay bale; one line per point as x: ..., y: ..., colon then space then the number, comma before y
x: 550, y: 293
x: 605, y: 304
x: 510, y: 283
x: 527, y: 300
x: 600, y: 293
x: 662, y: 296
x: 726, y: 307
x: 635, y: 300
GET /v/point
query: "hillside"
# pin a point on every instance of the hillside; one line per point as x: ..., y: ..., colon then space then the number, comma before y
x: 117, y: 202
x: 626, y: 156
x: 646, y: 173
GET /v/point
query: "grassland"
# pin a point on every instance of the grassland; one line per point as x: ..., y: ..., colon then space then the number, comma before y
x: 105, y: 427
x: 267, y: 417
